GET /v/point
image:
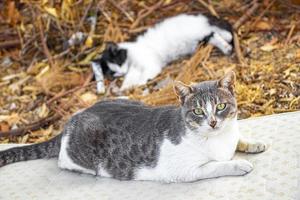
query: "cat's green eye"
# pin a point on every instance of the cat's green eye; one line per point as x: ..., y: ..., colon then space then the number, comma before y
x: 221, y: 106
x: 198, y: 111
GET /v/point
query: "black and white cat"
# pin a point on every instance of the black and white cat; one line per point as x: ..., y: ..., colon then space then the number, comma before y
x: 143, y: 59
x: 128, y: 140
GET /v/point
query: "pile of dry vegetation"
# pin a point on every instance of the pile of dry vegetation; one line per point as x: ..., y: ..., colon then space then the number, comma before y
x: 46, y: 47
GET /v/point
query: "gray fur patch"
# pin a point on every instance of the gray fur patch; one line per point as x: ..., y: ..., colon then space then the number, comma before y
x: 122, y: 136
x: 31, y: 152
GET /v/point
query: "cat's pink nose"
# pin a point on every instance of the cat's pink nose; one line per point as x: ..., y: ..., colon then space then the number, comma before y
x: 213, y: 123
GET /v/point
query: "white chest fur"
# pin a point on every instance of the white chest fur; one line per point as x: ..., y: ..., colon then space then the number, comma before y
x: 222, y: 146
x: 179, y: 161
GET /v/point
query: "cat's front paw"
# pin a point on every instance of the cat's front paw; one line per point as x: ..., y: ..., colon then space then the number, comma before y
x: 100, y: 88
x: 242, y: 167
x: 256, y: 147
x: 228, y: 50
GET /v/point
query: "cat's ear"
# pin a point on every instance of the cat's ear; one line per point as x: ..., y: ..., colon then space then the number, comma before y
x: 228, y: 81
x: 111, y: 47
x: 182, y: 90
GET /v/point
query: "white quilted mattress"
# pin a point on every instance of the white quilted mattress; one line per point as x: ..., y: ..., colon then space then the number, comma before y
x: 276, y: 174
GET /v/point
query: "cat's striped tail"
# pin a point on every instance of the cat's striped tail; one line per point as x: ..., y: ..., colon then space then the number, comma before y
x: 46, y: 149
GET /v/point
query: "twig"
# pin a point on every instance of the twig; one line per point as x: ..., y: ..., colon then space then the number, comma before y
x: 237, y: 48
x: 9, y: 44
x: 263, y: 13
x: 45, y: 47
x: 81, y: 102
x: 60, y: 95
x: 291, y: 5
x: 209, y: 7
x: 207, y: 55
x: 138, y: 30
x: 30, y: 127
x: 210, y: 72
x: 295, y: 38
x: 61, y: 54
x: 20, y: 37
x: 85, y: 84
x: 60, y: 110
x: 174, y: 3
x: 122, y: 10
x: 84, y: 16
x: 99, y: 7
x: 236, y: 26
x: 245, y: 17
x: 290, y: 34
x: 148, y: 12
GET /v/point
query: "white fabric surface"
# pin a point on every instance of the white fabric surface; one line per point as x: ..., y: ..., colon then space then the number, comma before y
x: 276, y: 174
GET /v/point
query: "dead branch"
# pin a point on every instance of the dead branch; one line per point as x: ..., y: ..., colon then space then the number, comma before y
x: 291, y: 31
x: 209, y: 7
x: 31, y: 127
x: 100, y: 5
x: 9, y: 44
x: 237, y: 25
x: 45, y: 47
x: 148, y: 12
x: 263, y: 12
x: 246, y: 16
x: 122, y: 10
x: 237, y: 48
x: 290, y: 4
x: 84, y: 16
x: 60, y: 95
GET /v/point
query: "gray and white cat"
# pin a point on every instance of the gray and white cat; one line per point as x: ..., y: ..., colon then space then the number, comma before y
x: 143, y: 59
x: 128, y: 140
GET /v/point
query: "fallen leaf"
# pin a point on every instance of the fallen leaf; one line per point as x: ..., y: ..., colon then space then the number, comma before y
x: 272, y: 91
x: 42, y: 132
x: 43, y: 111
x: 263, y: 26
x: 89, y: 42
x: 4, y: 126
x: 269, y: 47
x: 11, y: 119
x: 89, y: 98
x: 24, y: 138
x: 51, y: 11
